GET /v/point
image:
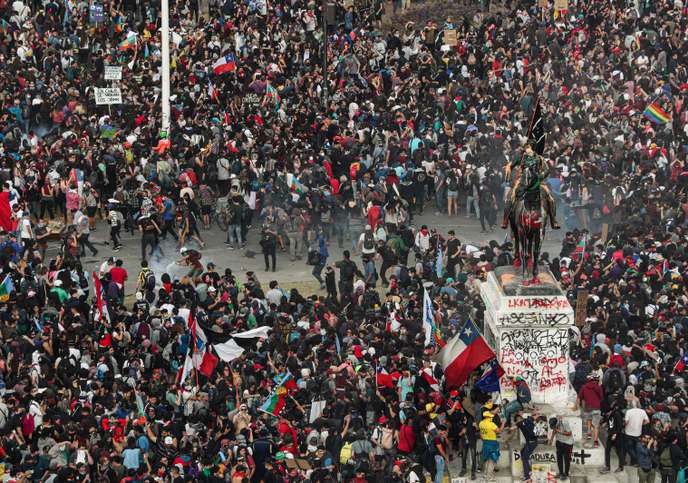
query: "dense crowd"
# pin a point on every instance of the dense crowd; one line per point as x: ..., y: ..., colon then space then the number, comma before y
x: 219, y: 375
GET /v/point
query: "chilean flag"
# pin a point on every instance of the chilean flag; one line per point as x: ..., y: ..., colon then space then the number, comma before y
x: 226, y: 63
x: 681, y: 365
x: 464, y: 353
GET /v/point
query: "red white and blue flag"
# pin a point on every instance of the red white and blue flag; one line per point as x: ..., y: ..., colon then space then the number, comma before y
x: 226, y: 63
x: 463, y: 354
x: 681, y: 365
x: 489, y: 382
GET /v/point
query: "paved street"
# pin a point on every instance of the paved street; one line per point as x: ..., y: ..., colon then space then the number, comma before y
x: 467, y: 229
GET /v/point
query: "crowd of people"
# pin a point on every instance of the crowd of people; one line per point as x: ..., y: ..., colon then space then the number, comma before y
x: 314, y: 139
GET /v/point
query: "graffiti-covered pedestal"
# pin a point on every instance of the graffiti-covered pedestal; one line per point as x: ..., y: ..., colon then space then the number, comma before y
x: 528, y: 327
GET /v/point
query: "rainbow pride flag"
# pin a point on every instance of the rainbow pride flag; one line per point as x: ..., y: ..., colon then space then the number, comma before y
x: 656, y: 114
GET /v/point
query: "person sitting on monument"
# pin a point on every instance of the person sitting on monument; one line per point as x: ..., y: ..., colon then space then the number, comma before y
x: 523, y: 398
x: 537, y: 164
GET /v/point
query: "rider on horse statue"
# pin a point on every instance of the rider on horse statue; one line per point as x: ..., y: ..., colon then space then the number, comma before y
x: 539, y: 168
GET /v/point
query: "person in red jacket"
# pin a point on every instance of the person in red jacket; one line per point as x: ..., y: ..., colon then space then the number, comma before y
x: 590, y: 398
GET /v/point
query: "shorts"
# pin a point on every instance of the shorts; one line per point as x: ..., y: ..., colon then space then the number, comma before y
x: 91, y: 211
x: 452, y: 194
x: 595, y: 415
x: 206, y: 209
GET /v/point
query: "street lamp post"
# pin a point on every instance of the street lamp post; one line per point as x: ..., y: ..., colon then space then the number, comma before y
x: 324, y: 55
x: 165, y: 33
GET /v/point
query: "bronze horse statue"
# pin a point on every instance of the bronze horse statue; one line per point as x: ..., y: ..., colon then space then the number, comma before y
x: 528, y: 222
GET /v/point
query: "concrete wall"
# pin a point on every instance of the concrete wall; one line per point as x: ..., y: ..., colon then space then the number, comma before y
x: 530, y: 335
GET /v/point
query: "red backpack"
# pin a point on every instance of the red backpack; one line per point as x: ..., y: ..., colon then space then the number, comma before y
x: 28, y: 425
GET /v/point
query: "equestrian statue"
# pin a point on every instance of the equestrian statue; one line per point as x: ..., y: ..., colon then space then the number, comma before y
x: 530, y: 205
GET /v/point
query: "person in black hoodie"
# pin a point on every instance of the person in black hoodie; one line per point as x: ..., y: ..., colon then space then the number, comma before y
x: 671, y: 457
x: 614, y: 423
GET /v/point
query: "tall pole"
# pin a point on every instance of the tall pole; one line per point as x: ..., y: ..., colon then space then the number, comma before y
x: 165, y: 32
x: 324, y: 46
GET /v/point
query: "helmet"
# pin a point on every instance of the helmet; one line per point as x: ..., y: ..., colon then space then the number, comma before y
x: 183, y: 250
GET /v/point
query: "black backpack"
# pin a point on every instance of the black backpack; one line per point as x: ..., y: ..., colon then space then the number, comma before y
x: 404, y: 277
x: 149, y: 280
x: 368, y: 241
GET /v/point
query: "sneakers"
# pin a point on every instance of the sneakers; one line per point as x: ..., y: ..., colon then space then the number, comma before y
x: 596, y: 444
x: 605, y: 470
x: 619, y: 470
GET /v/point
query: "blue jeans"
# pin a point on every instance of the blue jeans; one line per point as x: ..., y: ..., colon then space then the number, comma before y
x: 234, y: 233
x: 526, y: 453
x: 439, y: 471
x: 510, y: 409
x: 440, y: 199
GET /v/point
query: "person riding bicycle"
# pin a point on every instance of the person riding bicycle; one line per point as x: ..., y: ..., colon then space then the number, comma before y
x: 538, y: 166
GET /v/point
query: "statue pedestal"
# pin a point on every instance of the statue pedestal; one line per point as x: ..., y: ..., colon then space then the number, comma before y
x: 528, y: 328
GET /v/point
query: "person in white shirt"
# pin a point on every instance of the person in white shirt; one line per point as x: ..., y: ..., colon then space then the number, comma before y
x: 83, y: 232
x: 106, y: 266
x: 634, y: 420
x: 423, y: 239
x: 26, y: 234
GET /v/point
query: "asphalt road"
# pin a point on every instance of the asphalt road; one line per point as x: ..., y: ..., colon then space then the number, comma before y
x: 288, y: 273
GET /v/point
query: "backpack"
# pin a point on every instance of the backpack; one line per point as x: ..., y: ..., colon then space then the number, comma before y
x: 28, y: 425
x: 346, y: 453
x: 615, y: 381
x: 368, y: 241
x: 665, y: 458
x: 149, y: 280
x: 404, y: 277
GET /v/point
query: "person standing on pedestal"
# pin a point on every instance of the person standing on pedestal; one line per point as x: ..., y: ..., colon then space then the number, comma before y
x: 563, y: 437
x: 527, y: 427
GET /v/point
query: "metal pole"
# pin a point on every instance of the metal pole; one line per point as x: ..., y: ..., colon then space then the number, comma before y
x: 165, y: 32
x: 324, y: 47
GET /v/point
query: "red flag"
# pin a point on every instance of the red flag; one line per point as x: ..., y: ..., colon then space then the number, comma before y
x: 208, y: 364
x: 384, y: 379
x: 5, y: 211
x: 102, y: 308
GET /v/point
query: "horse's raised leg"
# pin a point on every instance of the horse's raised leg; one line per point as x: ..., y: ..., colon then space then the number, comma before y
x: 516, y: 240
x: 537, y: 244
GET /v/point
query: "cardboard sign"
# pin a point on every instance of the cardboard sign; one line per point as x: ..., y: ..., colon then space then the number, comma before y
x: 561, y: 5
x: 107, y: 96
x: 581, y: 307
x: 251, y: 99
x: 542, y: 3
x: 113, y: 72
x: 96, y: 13
x: 450, y: 37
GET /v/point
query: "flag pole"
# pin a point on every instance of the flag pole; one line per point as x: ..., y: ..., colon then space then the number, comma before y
x: 193, y: 353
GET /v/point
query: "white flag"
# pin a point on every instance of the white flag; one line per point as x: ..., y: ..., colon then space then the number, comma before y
x: 258, y: 332
x: 317, y: 408
x: 228, y: 351
x: 428, y: 319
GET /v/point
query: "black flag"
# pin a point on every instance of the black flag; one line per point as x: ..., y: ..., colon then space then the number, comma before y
x: 536, y: 131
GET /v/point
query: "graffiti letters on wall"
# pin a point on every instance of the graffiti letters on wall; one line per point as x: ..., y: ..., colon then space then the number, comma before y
x: 535, y: 312
x: 549, y: 303
x: 529, y: 319
x: 539, y: 356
